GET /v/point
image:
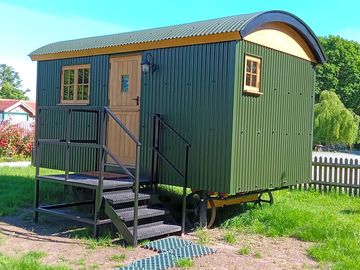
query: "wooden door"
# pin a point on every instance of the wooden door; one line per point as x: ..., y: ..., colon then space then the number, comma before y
x: 124, y: 101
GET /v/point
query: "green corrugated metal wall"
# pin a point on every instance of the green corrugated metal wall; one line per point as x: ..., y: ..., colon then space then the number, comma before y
x: 84, y: 126
x: 239, y: 143
x: 272, y: 134
x: 193, y: 90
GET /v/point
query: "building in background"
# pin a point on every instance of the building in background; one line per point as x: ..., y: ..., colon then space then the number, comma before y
x: 17, y: 111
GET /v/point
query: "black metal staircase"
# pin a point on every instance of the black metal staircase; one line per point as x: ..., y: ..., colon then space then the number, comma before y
x: 151, y: 220
x: 128, y: 208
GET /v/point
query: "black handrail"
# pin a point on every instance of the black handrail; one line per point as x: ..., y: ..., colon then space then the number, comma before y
x: 118, y: 162
x: 135, y: 178
x: 118, y: 121
x: 169, y: 162
x: 157, y: 153
x: 102, y: 113
x: 157, y: 116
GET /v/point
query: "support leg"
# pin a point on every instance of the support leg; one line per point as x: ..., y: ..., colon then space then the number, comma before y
x: 36, y: 201
x: 203, y: 210
x: 96, y: 213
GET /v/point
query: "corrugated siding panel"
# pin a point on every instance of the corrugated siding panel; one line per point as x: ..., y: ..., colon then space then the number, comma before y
x: 272, y: 134
x: 83, y: 125
x: 193, y: 90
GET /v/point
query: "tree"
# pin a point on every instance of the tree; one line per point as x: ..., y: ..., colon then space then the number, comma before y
x: 341, y: 72
x: 334, y: 124
x: 10, y: 83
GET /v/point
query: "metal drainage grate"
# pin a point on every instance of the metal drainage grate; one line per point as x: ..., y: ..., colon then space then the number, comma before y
x: 167, y: 244
x: 191, y: 251
x: 172, y: 249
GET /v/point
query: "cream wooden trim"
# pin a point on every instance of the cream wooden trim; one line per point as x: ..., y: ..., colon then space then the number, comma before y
x: 248, y: 88
x: 76, y: 69
x: 141, y: 46
x: 282, y: 37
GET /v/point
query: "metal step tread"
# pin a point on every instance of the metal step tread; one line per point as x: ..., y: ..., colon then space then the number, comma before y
x: 127, y: 214
x: 123, y: 196
x: 155, y: 229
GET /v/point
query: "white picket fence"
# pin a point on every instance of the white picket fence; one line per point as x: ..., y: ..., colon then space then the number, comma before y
x: 339, y: 174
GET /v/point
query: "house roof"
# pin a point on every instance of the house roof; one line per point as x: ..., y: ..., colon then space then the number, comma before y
x: 31, y: 104
x: 215, y: 30
x: 7, y: 105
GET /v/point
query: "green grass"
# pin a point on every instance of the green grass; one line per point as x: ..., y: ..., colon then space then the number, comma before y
x: 203, y: 236
x: 29, y: 261
x: 17, y: 188
x: 331, y: 221
x: 230, y: 237
x: 118, y: 257
x: 258, y: 255
x: 14, y: 158
x: 184, y: 263
x: 86, y: 236
x: 244, y: 251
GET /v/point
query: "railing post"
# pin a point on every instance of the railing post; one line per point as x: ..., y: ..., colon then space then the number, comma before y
x: 185, y: 184
x: 136, y: 202
x: 37, y: 164
x: 101, y: 162
x: 68, y: 138
x: 155, y: 146
x: 158, y: 127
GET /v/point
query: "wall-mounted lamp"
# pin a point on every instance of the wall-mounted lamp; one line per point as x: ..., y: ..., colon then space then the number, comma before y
x: 147, y: 63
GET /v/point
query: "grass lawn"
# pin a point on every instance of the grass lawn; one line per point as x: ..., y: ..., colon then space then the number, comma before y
x: 331, y: 221
x: 29, y: 261
x: 17, y: 188
x: 14, y: 158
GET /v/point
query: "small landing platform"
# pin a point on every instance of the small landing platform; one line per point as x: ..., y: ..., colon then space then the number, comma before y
x: 91, y: 181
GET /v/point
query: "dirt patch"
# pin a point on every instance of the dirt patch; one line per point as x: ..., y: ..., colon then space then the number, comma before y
x: 21, y: 236
x: 253, y: 251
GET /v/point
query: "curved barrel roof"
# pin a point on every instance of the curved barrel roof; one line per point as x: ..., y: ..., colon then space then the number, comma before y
x: 219, y: 29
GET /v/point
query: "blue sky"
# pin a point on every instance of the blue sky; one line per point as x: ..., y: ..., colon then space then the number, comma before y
x: 29, y: 24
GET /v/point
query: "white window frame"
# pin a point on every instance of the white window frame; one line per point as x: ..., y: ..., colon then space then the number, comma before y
x: 248, y: 88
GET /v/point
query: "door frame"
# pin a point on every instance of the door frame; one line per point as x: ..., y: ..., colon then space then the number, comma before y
x: 108, y: 98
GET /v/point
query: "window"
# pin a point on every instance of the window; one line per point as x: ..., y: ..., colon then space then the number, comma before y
x: 252, y: 75
x: 124, y: 83
x: 75, y: 84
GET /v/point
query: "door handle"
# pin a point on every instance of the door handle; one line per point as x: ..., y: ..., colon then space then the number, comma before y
x: 137, y: 100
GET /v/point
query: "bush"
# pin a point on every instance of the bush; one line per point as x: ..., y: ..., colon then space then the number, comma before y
x: 15, y: 140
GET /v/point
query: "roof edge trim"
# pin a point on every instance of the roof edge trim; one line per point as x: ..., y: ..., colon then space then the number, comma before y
x: 168, y: 43
x: 285, y: 17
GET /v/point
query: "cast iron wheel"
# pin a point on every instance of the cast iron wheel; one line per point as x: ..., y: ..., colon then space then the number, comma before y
x: 265, y: 197
x: 193, y: 210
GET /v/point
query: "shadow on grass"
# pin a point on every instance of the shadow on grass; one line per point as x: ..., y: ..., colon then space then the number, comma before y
x: 171, y: 197
x: 350, y: 212
x: 16, y: 209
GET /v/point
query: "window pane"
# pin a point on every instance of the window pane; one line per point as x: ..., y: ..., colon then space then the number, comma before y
x: 72, y: 76
x: 124, y: 83
x: 253, y: 81
x: 79, y: 92
x: 71, y: 92
x: 247, y: 79
x: 86, y: 76
x: 66, y: 76
x: 248, y: 66
x: 86, y: 92
x: 254, y: 67
x: 80, y: 76
x: 66, y: 93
